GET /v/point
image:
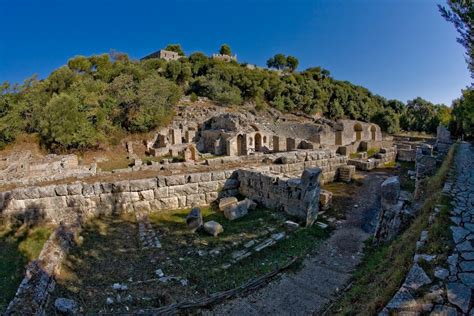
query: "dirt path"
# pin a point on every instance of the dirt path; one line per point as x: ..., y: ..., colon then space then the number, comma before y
x: 324, y: 274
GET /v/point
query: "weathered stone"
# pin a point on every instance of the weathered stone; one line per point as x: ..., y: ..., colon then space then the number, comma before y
x: 459, y: 295
x: 467, y: 279
x: 194, y: 219
x: 325, y: 199
x: 459, y: 233
x: 390, y: 191
x: 213, y: 228
x: 291, y: 226
x: 66, y: 306
x: 227, y: 202
x: 416, y: 277
x: 443, y: 310
x: 441, y: 273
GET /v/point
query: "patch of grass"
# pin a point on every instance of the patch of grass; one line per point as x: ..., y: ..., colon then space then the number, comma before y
x: 118, y: 162
x: 372, y: 151
x: 384, y: 268
x: 406, y: 183
x: 353, y: 155
x: 18, y: 246
x: 390, y: 164
x: 111, y: 253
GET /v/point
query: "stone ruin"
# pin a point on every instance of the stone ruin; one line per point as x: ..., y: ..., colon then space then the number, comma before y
x: 22, y: 168
x: 394, y: 213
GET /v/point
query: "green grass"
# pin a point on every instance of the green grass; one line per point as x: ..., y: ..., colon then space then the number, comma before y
x: 17, y: 248
x: 111, y: 252
x: 384, y: 268
x: 372, y: 151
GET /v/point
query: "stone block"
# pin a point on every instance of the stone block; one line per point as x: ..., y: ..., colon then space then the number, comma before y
x: 175, y: 180
x: 143, y: 184
x: 161, y: 192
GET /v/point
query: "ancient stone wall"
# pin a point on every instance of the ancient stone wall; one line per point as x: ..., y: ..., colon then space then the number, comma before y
x: 296, y: 197
x: 69, y: 203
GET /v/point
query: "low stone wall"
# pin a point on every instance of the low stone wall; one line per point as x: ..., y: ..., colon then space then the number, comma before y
x: 39, y: 281
x: 296, y: 197
x: 384, y: 156
x: 70, y: 203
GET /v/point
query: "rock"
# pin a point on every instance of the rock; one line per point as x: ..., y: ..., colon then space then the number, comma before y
x: 428, y: 258
x: 441, y: 273
x: 467, y: 279
x: 459, y: 233
x: 401, y: 299
x: 459, y: 295
x: 249, y: 244
x: 239, y: 210
x: 119, y: 287
x: 291, y: 226
x: 442, y: 310
x: 213, y: 228
x: 66, y: 306
x: 194, y: 219
x: 159, y: 273
x: 467, y: 266
x: 390, y: 191
x: 226, y: 202
x: 416, y: 277
x: 325, y: 199
x: 322, y: 225
x: 109, y: 301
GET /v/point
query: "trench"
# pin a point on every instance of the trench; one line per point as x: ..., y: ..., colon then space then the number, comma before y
x: 325, y: 273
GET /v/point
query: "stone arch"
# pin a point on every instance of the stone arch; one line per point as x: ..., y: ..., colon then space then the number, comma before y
x: 373, y: 131
x: 358, y: 131
x: 241, y: 144
x: 264, y: 139
x: 255, y: 127
x: 338, y: 138
x: 258, y: 142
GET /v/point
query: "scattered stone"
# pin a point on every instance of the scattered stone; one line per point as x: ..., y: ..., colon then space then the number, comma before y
x: 441, y: 273
x: 443, y: 310
x: 249, y: 244
x: 428, y: 258
x: 202, y: 253
x: 66, y: 306
x: 213, y: 228
x: 226, y: 266
x: 119, y: 287
x: 402, y: 299
x: 194, y: 219
x: 266, y: 243
x: 109, y: 301
x: 278, y: 236
x: 459, y: 295
x: 291, y: 226
x: 159, y: 273
x: 416, y: 277
x: 184, y: 282
x: 322, y: 225
x: 325, y: 199
x: 226, y: 202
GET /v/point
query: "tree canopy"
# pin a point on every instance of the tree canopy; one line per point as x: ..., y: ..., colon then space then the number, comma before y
x: 91, y: 99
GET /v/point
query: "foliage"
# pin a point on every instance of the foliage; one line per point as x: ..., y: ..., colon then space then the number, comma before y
x: 463, y: 113
x: 175, y: 48
x: 91, y: 99
x: 225, y: 50
x: 461, y: 14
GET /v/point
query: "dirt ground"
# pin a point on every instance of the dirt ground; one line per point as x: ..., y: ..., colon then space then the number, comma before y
x: 326, y: 273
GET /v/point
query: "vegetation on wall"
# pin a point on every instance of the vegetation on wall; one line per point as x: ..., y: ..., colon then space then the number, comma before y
x: 83, y: 103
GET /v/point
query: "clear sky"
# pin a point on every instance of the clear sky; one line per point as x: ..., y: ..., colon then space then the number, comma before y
x: 397, y: 48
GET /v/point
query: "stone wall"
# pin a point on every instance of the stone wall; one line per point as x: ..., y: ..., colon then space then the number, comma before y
x: 74, y: 202
x: 296, y: 197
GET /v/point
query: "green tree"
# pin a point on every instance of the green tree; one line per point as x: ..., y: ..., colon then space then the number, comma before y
x: 80, y: 64
x: 388, y: 120
x: 292, y: 63
x: 225, y: 50
x: 64, y: 126
x: 278, y: 62
x: 175, y: 48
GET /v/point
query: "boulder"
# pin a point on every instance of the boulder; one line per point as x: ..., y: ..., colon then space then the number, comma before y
x: 239, y: 209
x: 194, y: 219
x: 226, y: 202
x: 213, y: 228
x: 66, y: 306
x: 291, y: 226
x: 325, y: 199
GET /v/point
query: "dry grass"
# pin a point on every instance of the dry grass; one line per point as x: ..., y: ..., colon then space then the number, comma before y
x: 384, y: 268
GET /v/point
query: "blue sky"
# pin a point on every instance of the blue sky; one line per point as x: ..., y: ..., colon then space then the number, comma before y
x: 397, y: 48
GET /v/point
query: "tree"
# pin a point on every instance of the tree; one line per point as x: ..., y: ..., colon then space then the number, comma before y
x: 463, y: 113
x: 64, y: 126
x: 461, y: 14
x: 79, y: 64
x: 278, y: 62
x: 388, y: 120
x: 225, y: 50
x: 292, y: 63
x: 175, y: 48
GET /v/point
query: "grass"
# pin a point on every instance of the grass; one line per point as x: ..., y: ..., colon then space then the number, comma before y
x: 372, y: 151
x: 384, y: 268
x: 117, y: 162
x: 406, y: 183
x: 17, y: 248
x: 110, y: 253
